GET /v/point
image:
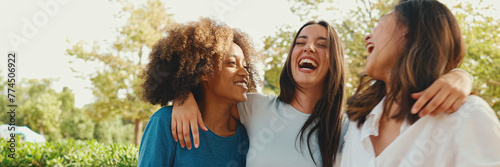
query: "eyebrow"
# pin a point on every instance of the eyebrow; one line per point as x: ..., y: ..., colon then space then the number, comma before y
x: 305, y: 37
x: 235, y: 56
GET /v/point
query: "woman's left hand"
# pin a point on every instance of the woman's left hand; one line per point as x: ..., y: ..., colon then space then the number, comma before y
x: 446, y: 94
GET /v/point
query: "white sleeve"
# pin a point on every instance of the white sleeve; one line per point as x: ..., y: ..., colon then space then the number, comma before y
x: 478, y: 139
x: 255, y: 103
x: 345, y: 126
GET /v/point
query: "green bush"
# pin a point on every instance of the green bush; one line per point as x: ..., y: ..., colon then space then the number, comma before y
x: 69, y: 153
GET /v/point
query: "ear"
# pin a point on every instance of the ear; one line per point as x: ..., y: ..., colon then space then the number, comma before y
x: 204, y: 77
x: 405, y: 33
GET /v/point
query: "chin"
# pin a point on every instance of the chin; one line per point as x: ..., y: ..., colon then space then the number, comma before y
x: 242, y: 98
x: 371, y: 75
x: 369, y: 71
x: 304, y: 78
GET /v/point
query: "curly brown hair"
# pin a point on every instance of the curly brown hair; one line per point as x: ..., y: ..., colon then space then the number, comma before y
x: 178, y: 60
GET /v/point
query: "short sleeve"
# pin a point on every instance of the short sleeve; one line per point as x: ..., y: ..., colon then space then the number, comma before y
x: 478, y: 138
x: 255, y: 103
x: 157, y: 145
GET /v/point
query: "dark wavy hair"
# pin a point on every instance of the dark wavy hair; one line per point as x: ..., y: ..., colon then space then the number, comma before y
x: 188, y: 51
x: 326, y: 118
x: 434, y: 47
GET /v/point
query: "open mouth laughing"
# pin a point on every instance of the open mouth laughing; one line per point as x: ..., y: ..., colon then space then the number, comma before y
x: 308, y: 64
x: 369, y: 47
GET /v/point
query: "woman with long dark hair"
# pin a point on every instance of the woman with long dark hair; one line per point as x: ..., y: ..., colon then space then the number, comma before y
x: 410, y: 48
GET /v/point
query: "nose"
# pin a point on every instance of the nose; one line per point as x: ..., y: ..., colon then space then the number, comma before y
x: 243, y: 72
x: 367, y: 37
x: 310, y: 48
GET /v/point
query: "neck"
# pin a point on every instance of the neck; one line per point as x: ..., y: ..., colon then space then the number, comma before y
x: 217, y: 116
x: 305, y: 100
x: 391, y: 111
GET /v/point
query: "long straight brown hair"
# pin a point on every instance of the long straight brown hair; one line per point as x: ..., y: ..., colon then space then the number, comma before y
x: 434, y: 47
x: 326, y: 118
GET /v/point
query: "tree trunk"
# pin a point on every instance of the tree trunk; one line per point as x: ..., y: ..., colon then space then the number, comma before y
x: 137, y: 130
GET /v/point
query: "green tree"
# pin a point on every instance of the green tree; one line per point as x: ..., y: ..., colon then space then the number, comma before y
x: 41, y: 109
x: 67, y: 99
x: 352, y: 30
x: 275, y: 53
x: 114, y: 130
x: 483, y: 51
x: 4, y: 117
x: 75, y: 124
x: 116, y: 84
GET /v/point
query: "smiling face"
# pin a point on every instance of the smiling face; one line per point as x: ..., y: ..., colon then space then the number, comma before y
x: 231, y: 81
x: 310, y: 59
x: 385, y: 44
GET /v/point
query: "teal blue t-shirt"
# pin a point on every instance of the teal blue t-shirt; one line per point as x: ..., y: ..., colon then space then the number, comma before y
x: 158, y: 148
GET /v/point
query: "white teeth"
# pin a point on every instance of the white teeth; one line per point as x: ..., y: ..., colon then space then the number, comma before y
x: 241, y: 84
x: 367, y: 47
x: 308, y: 61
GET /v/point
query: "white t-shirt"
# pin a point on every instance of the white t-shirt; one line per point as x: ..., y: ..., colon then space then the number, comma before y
x: 468, y: 137
x: 272, y: 128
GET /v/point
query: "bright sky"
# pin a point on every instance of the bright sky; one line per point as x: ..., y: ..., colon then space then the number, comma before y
x: 42, y: 53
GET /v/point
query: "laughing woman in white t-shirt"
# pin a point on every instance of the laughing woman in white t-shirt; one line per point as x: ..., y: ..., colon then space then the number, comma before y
x: 409, y: 49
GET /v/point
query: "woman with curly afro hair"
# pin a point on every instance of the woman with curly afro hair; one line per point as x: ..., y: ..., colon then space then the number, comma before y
x: 214, y: 62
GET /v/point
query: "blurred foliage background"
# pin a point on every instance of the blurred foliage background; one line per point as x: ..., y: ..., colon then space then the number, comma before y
x: 119, y: 116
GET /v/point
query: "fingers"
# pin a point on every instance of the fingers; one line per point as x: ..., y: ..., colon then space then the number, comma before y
x: 173, y: 129
x: 446, y: 94
x: 201, y: 124
x: 417, y: 95
x: 185, y: 133
x: 433, y: 104
x: 445, y: 105
x: 457, y: 104
x: 426, y: 96
x: 449, y: 111
x: 450, y: 105
x: 185, y: 118
x: 196, y: 139
x: 179, y: 134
